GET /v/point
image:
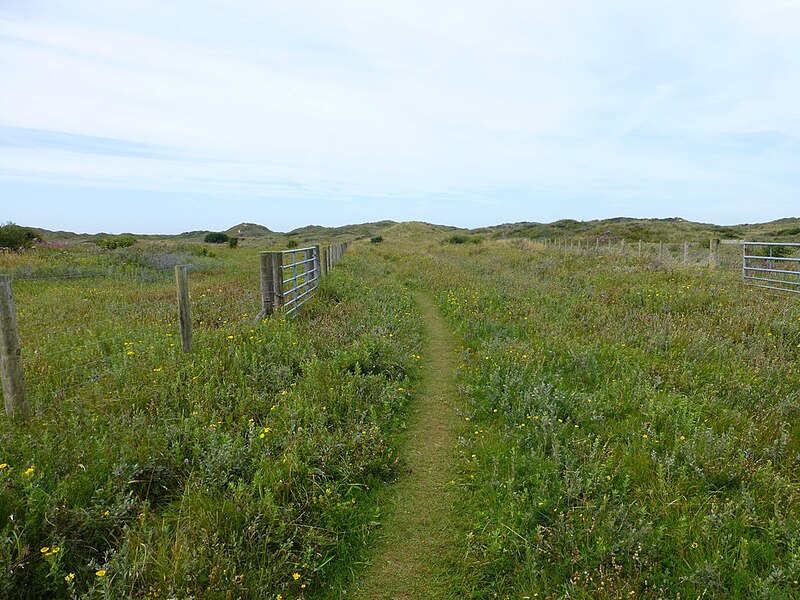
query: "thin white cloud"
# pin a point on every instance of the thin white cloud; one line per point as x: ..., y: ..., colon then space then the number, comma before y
x: 373, y: 100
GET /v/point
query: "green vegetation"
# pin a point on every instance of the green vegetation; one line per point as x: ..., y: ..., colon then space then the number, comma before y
x: 14, y: 237
x: 376, y: 239
x: 632, y: 425
x: 117, y: 241
x: 627, y: 426
x: 649, y: 230
x: 216, y: 238
x: 249, y: 465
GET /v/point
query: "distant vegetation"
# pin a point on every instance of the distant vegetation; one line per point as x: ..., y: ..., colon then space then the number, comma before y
x: 674, y: 230
x: 15, y: 237
x: 117, y: 241
x: 648, y: 230
x: 216, y: 238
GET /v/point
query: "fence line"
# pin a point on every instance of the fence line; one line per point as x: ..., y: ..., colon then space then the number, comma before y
x: 712, y: 254
x: 760, y: 270
x: 289, y: 278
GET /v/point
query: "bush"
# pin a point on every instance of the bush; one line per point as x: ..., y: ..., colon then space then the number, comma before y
x: 291, y: 244
x: 117, y: 241
x: 16, y: 237
x: 233, y: 242
x: 216, y: 238
x: 457, y: 239
x: 377, y: 239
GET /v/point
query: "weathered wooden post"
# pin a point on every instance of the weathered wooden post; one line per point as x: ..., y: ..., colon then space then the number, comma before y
x: 277, y: 278
x: 660, y: 250
x: 16, y: 400
x: 685, y: 253
x: 640, y: 248
x: 622, y: 247
x: 712, y: 252
x: 323, y: 259
x: 184, y: 315
x: 317, y: 265
x: 267, y: 285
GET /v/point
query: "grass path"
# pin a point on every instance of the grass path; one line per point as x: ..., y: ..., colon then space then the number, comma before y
x: 418, y: 534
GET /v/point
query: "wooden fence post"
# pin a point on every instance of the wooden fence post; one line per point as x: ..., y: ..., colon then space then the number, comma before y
x: 323, y: 259
x: 267, y: 285
x: 622, y: 247
x: 16, y: 400
x: 277, y: 278
x: 317, y: 264
x: 685, y: 253
x: 712, y: 252
x: 184, y: 315
x: 640, y: 248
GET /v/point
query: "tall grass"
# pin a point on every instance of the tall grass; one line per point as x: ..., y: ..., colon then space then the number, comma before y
x: 244, y: 469
x: 632, y: 427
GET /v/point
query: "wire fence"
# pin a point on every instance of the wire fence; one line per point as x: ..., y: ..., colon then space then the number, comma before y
x: 715, y: 253
x: 62, y: 333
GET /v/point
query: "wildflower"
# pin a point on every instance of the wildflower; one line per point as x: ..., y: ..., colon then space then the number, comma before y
x: 694, y: 544
x: 44, y: 550
x: 3, y: 466
x: 230, y: 337
x: 100, y: 573
x: 69, y: 578
x: 30, y: 470
x: 295, y: 576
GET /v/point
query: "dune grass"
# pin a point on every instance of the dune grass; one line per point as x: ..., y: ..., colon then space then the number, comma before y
x: 247, y: 468
x: 634, y: 425
x: 632, y: 428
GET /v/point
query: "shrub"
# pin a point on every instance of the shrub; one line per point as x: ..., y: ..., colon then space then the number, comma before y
x: 457, y: 238
x: 16, y: 237
x: 233, y: 242
x: 216, y: 237
x: 376, y: 239
x: 117, y: 241
x: 291, y: 244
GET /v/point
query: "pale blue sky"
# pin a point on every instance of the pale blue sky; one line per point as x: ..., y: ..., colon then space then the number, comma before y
x: 162, y: 117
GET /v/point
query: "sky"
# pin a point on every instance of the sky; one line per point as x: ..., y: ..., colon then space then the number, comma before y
x: 161, y: 117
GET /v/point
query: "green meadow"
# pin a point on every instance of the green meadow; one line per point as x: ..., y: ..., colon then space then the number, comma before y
x: 626, y: 426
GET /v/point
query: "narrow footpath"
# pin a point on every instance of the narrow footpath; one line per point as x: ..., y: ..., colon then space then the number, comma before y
x: 418, y: 533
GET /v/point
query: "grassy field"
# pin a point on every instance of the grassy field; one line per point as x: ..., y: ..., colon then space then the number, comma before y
x: 631, y: 425
x: 243, y: 469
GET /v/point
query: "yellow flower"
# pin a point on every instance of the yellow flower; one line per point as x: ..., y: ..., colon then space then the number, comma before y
x: 30, y: 470
x: 295, y: 576
x: 45, y: 550
x: 69, y: 578
x: 3, y: 465
x: 100, y: 573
